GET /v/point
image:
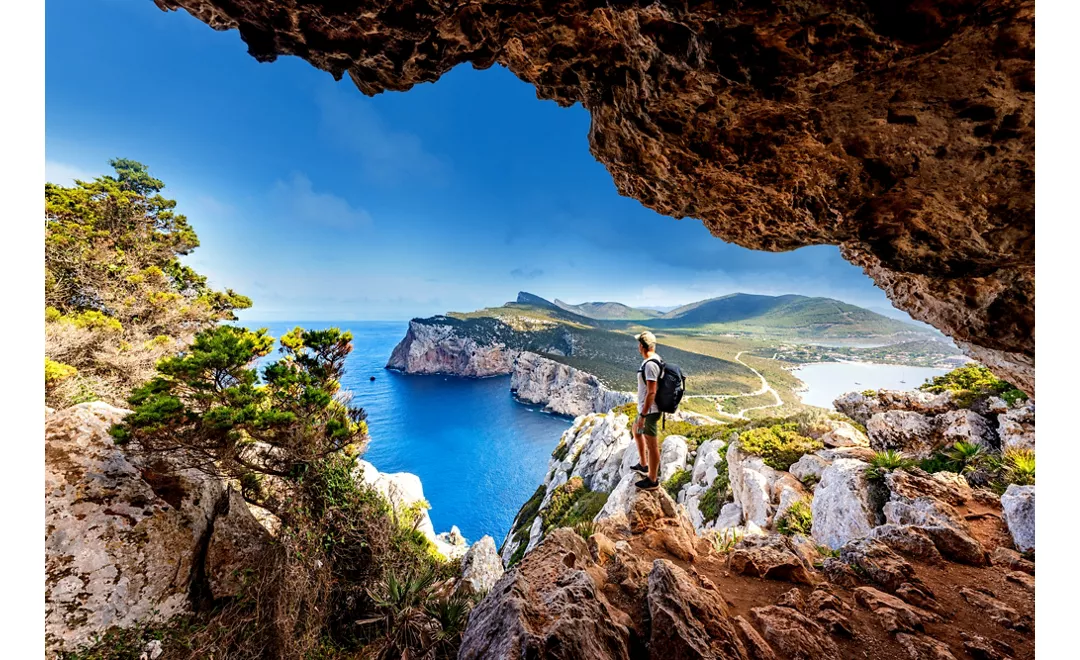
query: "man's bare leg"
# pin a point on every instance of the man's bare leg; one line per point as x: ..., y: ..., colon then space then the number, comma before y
x: 640, y: 440
x: 654, y: 456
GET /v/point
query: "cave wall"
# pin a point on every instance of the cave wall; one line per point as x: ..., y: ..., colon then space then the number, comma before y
x: 901, y: 130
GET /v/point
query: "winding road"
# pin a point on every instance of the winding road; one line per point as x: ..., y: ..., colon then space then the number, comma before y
x: 765, y: 387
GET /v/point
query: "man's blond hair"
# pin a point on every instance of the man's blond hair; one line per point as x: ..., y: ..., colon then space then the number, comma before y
x: 648, y: 340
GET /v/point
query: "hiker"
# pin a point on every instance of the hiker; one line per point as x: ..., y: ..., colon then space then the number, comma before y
x: 645, y: 430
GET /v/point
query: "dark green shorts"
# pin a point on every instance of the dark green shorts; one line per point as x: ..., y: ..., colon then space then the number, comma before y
x: 651, y: 421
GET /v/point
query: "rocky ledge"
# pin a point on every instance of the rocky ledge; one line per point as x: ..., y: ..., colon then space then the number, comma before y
x: 641, y: 584
x: 560, y: 388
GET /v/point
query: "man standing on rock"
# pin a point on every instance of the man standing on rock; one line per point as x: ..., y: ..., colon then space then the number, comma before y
x: 648, y: 413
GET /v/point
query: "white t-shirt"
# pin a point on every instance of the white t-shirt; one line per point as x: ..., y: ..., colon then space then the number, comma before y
x: 650, y: 370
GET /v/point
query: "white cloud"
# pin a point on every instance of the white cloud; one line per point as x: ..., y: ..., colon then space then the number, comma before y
x: 64, y: 174
x: 298, y: 201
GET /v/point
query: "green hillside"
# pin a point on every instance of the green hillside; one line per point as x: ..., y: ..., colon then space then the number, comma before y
x: 608, y: 311
x: 789, y: 315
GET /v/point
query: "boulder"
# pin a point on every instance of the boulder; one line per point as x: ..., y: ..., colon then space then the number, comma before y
x: 708, y: 454
x: 122, y: 535
x: 895, y: 615
x: 842, y: 509
x: 730, y: 516
x: 874, y: 560
x: 548, y: 606
x: 810, y: 466
x: 904, y: 431
x: 861, y: 407
x: 999, y: 612
x: 966, y: 426
x: 707, y: 632
x: 752, y: 484
x: 237, y: 543
x: 673, y: 454
x: 1018, y: 507
x: 794, y: 634
x: 1016, y: 426
x: 912, y: 483
x: 771, y: 557
x: 908, y: 540
x: 843, y: 434
x: 481, y: 567
x: 945, y: 527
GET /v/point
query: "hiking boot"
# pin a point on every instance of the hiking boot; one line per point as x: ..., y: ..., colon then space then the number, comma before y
x: 639, y: 468
x: 647, y: 484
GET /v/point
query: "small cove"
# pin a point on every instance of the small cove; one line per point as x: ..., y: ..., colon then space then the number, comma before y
x: 825, y: 381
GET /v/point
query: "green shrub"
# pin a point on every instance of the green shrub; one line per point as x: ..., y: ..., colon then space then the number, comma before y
x: 869, y: 393
x: 523, y: 523
x: 798, y: 519
x: 971, y: 382
x: 57, y: 371
x: 718, y: 492
x: 676, y: 482
x: 585, y: 529
x: 561, y: 450
x: 724, y: 541
x: 965, y: 457
x: 779, y: 445
x: 885, y: 462
x: 936, y: 462
x: 562, y: 498
x: 1018, y: 467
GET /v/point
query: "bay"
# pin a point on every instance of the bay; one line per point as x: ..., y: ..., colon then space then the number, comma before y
x: 479, y: 453
x: 825, y: 381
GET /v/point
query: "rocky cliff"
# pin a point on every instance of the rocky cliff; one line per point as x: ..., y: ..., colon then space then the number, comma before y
x: 903, y: 132
x: 130, y: 541
x: 561, y: 389
x: 433, y: 348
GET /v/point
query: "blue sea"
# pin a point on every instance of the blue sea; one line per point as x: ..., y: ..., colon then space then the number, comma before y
x: 479, y: 453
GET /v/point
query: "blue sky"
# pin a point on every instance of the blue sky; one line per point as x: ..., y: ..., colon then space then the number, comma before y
x: 321, y: 203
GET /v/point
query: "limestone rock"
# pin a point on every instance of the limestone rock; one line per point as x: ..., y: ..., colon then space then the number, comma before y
x: 862, y: 407
x: 998, y: 611
x: 560, y: 388
x: 810, y: 466
x: 1016, y: 426
x: 895, y: 615
x: 843, y: 434
x: 756, y: 646
x: 548, y: 606
x: 924, y: 647
x: 908, y: 540
x: 437, y: 348
x: 730, y: 516
x: 842, y: 509
x: 1018, y: 505
x: 794, y: 634
x: 1012, y: 560
x: 762, y: 492
x: 966, y: 426
x: 707, y: 633
x: 903, y: 431
x: 237, y: 544
x: 945, y: 527
x: 481, y: 567
x: 771, y: 557
x: 121, y: 538
x: 877, y: 562
x: 673, y: 454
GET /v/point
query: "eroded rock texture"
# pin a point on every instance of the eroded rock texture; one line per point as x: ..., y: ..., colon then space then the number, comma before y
x: 902, y: 131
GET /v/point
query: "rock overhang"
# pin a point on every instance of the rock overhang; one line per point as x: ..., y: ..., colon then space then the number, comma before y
x: 901, y: 131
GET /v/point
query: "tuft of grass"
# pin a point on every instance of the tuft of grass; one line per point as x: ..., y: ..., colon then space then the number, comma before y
x: 1018, y: 467
x: 885, y: 462
x: 724, y: 541
x: 676, y: 482
x: 965, y: 457
x: 585, y: 529
x: 798, y: 519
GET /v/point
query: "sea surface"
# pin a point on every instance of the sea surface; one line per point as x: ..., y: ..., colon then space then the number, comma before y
x: 827, y: 380
x: 479, y: 453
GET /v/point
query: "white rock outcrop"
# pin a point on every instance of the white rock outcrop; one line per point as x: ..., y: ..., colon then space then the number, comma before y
x: 481, y: 567
x: 673, y: 455
x: 762, y: 492
x: 841, y: 508
x: 1016, y: 426
x: 1018, y: 506
x: 560, y: 388
x: 437, y: 348
x: 965, y: 426
x: 404, y: 492
x: 902, y: 430
x: 125, y: 537
x: 861, y: 407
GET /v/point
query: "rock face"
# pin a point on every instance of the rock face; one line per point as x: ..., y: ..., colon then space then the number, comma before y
x: 440, y: 349
x: 406, y: 495
x: 481, y: 567
x: 125, y: 542
x: 560, y: 388
x: 902, y: 132
x: 842, y: 508
x: 1018, y: 505
x: 1016, y: 427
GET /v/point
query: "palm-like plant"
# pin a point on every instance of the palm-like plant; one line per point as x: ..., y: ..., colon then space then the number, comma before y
x: 419, y: 619
x: 966, y: 457
x: 885, y: 462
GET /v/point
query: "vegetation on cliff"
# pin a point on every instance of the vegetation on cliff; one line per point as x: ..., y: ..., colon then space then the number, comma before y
x: 973, y: 381
x: 290, y: 438
x: 117, y: 295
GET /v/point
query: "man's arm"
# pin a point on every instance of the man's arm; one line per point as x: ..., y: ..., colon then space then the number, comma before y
x: 650, y: 394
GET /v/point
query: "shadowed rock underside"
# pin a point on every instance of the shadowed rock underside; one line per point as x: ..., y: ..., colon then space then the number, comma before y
x: 902, y: 131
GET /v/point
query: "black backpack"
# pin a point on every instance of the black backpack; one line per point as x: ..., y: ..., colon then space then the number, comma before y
x: 669, y: 387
